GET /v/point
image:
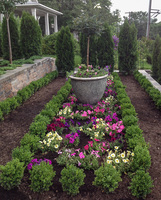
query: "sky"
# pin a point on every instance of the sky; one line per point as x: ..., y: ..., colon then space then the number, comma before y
x: 135, y: 5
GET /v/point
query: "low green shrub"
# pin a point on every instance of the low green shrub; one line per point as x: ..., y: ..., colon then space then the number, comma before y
x: 133, y: 131
x: 38, y: 128
x: 142, y: 159
x: 13, y: 103
x: 32, y: 141
x: 141, y: 184
x: 136, y: 140
x: 41, y: 177
x: 22, y: 153
x: 107, y: 177
x: 126, y: 106
x: 71, y: 179
x: 129, y: 120
x: 130, y: 111
x: 11, y: 174
x: 125, y: 100
x: 50, y: 113
x: 5, y: 107
x: 1, y: 115
x: 4, y: 63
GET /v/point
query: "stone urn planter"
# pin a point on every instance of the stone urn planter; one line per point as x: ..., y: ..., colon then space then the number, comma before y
x: 89, y: 90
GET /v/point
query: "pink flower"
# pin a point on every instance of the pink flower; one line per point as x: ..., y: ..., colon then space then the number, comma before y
x: 73, y: 154
x: 86, y: 147
x: 89, y: 112
x: 95, y: 73
x: 81, y: 155
x: 91, y: 143
x: 97, y: 140
x: 77, y: 112
x: 79, y: 164
x: 84, y: 114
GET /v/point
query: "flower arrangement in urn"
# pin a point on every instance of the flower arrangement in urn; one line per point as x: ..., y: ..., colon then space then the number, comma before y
x: 89, y: 83
x: 89, y: 71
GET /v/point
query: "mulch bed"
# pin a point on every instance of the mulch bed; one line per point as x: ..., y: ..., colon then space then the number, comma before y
x: 15, y: 125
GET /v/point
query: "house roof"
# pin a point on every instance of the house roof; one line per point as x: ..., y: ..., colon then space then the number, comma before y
x: 40, y: 8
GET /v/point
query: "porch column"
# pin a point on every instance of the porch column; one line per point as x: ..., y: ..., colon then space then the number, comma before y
x: 55, y: 24
x: 47, y: 31
x: 1, y: 17
x: 33, y: 11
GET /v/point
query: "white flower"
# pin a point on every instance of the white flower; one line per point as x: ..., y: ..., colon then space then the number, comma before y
x: 56, y: 146
x: 122, y: 155
x: 112, y: 155
x: 109, y: 161
x: 117, y: 161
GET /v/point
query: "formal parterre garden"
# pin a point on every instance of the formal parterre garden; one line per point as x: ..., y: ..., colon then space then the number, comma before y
x: 104, y: 139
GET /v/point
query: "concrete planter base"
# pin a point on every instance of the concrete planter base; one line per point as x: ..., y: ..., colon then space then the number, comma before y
x: 89, y: 90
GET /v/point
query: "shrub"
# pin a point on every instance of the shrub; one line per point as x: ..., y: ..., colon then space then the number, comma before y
x: 107, y: 177
x: 5, y: 107
x: 106, y: 48
x: 130, y: 111
x: 142, y: 159
x: 83, y: 48
x: 129, y: 120
x: 32, y: 141
x: 127, y: 57
x: 133, y: 131
x: 38, y: 128
x: 16, y: 53
x: 11, y: 174
x: 22, y: 153
x: 149, y: 58
x: 64, y: 50
x: 155, y: 56
x: 48, y: 44
x: 141, y: 184
x: 1, y: 53
x: 41, y: 177
x: 1, y: 115
x: 30, y: 36
x: 136, y: 140
x: 71, y: 179
x: 12, y: 102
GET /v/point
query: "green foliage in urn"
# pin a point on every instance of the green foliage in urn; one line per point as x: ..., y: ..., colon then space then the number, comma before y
x: 31, y: 36
x: 11, y: 174
x: 105, y: 48
x: 64, y: 50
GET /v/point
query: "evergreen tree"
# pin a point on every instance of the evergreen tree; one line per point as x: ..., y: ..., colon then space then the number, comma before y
x: 64, y: 50
x: 16, y: 53
x: 127, y: 48
x: 83, y: 48
x: 93, y: 50
x: 30, y: 36
x: 155, y: 62
x: 159, y: 66
x: 1, y: 54
x: 106, y: 48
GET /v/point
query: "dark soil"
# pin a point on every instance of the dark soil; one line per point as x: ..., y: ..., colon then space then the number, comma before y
x: 15, y: 125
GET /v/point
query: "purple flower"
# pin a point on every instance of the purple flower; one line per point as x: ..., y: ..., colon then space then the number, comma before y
x: 29, y: 166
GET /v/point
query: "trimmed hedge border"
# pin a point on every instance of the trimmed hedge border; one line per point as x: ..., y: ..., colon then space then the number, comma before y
x: 149, y: 88
x: 10, y: 104
x: 133, y: 134
x: 136, y: 143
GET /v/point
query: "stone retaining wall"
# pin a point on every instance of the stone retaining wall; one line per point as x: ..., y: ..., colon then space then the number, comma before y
x: 14, y: 80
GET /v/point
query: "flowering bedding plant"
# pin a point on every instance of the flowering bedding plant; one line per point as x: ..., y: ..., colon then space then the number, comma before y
x: 89, y: 71
x: 99, y: 125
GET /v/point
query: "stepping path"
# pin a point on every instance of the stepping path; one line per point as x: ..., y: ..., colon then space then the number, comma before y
x: 150, y: 123
x: 17, y: 123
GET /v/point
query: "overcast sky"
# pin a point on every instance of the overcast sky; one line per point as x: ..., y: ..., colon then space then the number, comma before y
x: 135, y: 5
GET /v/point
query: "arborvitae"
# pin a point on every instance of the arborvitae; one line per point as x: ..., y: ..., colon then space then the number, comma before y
x: 159, y: 66
x: 105, y: 51
x: 14, y: 33
x: 127, y: 48
x: 133, y: 49
x: 83, y: 48
x: 1, y: 54
x: 92, y: 51
x: 64, y: 50
x: 31, y: 36
x: 155, y: 62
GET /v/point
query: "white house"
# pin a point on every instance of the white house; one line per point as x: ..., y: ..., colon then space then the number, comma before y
x: 38, y: 10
